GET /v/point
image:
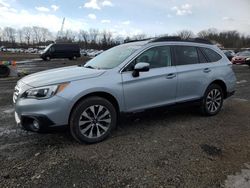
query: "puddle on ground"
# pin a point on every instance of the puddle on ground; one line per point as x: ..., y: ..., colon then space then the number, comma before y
x: 211, y: 150
x: 239, y: 180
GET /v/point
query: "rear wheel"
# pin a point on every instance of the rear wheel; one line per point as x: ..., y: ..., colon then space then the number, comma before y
x: 213, y: 100
x: 92, y: 120
x: 48, y: 58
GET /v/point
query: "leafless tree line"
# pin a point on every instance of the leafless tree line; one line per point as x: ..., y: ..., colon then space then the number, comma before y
x: 227, y: 39
x: 25, y: 35
x: 96, y: 39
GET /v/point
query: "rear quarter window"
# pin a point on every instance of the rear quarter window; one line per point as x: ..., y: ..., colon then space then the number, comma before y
x: 202, y: 57
x: 211, y: 55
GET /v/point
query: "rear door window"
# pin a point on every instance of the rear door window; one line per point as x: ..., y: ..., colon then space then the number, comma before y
x: 211, y: 55
x: 186, y: 55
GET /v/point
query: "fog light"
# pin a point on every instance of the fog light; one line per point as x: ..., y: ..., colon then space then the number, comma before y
x: 36, y: 125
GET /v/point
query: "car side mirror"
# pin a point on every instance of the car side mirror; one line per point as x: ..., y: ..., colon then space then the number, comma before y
x: 140, y: 67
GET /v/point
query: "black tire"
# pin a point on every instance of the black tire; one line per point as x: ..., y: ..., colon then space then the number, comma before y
x: 73, y: 58
x: 84, y: 107
x: 212, y: 105
x: 4, y: 71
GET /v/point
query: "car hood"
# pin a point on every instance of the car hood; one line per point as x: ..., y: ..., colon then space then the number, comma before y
x: 241, y: 57
x: 60, y: 75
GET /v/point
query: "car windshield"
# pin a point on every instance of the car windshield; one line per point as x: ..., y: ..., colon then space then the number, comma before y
x: 244, y: 54
x: 47, y: 48
x: 112, y: 57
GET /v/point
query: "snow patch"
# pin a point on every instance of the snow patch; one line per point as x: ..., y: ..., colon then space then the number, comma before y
x: 239, y: 180
x: 241, y: 82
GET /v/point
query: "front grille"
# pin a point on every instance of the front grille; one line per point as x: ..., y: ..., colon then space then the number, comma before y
x: 16, y: 93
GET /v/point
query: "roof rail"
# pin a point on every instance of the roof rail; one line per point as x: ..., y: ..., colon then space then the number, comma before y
x: 164, y: 39
x: 179, y: 39
x: 136, y: 40
x: 199, y: 40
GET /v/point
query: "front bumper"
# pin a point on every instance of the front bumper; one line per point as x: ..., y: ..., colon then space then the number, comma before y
x: 48, y: 113
x: 36, y: 123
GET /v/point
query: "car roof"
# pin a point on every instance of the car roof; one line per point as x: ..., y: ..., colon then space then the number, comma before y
x: 172, y: 39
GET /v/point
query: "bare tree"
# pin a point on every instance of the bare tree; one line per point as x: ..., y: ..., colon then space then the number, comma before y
x: 208, y: 34
x: 106, y: 39
x: 9, y: 34
x: 203, y: 34
x: 45, y: 34
x: 37, y: 34
x: 70, y: 35
x: 67, y: 36
x: 84, y: 35
x: 1, y: 35
x: 20, y: 35
x: 139, y: 36
x: 27, y: 32
x: 185, y: 34
x: 93, y: 34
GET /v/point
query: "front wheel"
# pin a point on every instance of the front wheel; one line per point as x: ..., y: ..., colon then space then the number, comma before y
x: 73, y: 58
x: 212, y: 101
x: 92, y: 120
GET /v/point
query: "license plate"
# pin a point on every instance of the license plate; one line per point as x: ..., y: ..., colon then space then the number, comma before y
x: 17, y: 118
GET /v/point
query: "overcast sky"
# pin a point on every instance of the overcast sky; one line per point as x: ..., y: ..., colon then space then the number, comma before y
x: 128, y: 17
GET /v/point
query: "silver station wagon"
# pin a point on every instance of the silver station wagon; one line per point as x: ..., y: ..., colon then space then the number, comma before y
x: 130, y: 77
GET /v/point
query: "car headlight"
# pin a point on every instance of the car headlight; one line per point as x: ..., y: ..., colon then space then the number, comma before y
x: 248, y: 59
x: 44, y: 92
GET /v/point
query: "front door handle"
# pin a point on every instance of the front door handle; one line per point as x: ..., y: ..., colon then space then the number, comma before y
x: 207, y: 70
x: 170, y: 75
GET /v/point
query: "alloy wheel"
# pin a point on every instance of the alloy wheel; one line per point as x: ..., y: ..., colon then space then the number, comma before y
x: 94, y: 121
x: 214, y: 100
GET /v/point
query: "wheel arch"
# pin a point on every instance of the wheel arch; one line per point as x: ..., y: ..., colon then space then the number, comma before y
x: 223, y: 86
x: 101, y: 94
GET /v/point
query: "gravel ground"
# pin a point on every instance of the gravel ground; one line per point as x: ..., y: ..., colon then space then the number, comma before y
x: 160, y: 148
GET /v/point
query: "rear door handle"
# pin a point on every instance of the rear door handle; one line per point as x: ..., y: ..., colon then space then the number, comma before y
x: 207, y: 70
x: 170, y: 75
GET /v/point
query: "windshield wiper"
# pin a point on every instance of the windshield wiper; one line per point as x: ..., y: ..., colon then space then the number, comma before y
x: 89, y: 66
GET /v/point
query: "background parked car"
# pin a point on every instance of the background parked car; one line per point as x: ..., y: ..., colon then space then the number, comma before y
x: 2, y: 48
x: 229, y: 53
x: 94, y: 53
x: 241, y: 57
x: 83, y: 52
x: 61, y: 50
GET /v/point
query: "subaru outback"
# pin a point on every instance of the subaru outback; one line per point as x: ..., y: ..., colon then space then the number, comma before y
x: 128, y: 78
